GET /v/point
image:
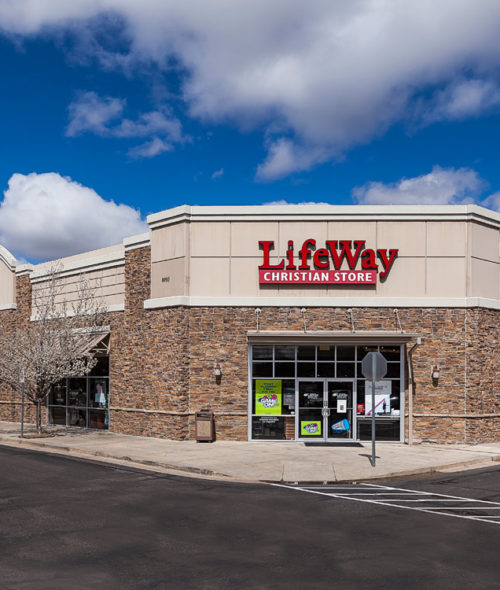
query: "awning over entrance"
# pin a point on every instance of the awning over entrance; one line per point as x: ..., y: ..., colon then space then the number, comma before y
x: 92, y: 340
x: 324, y: 336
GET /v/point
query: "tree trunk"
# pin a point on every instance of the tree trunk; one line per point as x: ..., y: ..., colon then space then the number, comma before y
x: 39, y: 416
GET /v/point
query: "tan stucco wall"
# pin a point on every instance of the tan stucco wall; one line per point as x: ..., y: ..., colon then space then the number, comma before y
x: 104, y: 269
x: 108, y: 286
x: 7, y: 278
x: 81, y: 258
x: 169, y: 254
x: 484, y: 275
x: 7, y: 285
x: 451, y: 259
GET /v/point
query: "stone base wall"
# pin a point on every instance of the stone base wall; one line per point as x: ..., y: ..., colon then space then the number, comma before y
x: 149, y: 370
x: 463, y: 343
x: 10, y: 411
x: 10, y: 319
x: 227, y: 426
x: 154, y: 424
x: 439, y: 429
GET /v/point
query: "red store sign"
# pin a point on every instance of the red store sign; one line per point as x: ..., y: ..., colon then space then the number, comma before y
x: 364, y: 264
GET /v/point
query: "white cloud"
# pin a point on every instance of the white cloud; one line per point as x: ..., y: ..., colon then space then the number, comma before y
x: 103, y: 116
x: 47, y: 216
x: 150, y: 149
x: 492, y: 202
x: 442, y: 186
x: 320, y: 76
x: 217, y: 174
x: 91, y: 113
x: 285, y: 157
x: 467, y: 98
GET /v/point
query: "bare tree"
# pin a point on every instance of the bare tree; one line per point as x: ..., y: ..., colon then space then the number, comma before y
x: 54, y: 344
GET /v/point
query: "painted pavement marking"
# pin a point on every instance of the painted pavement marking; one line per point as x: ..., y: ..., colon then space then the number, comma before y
x: 429, y: 502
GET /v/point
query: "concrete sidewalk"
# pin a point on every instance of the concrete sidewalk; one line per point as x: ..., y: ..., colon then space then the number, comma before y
x: 257, y: 461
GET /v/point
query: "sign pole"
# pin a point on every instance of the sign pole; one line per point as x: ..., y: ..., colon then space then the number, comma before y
x: 373, y: 410
x: 22, y: 403
x: 373, y: 368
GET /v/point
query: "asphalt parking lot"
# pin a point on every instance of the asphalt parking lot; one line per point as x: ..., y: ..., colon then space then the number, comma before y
x: 67, y: 522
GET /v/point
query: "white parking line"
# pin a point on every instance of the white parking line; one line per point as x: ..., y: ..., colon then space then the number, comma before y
x: 387, y: 496
x: 405, y: 493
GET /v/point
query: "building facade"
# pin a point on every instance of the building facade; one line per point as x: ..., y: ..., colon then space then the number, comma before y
x: 264, y: 315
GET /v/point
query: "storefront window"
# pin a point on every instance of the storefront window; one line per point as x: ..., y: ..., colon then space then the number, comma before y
x: 268, y: 428
x: 263, y: 353
x: 284, y: 353
x: 284, y: 370
x: 82, y: 401
x: 387, y: 398
x: 326, y: 370
x: 277, y: 370
x: 326, y: 353
x: 306, y: 353
x: 346, y: 353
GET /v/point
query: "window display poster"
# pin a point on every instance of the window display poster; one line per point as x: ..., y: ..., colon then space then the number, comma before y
x: 382, y: 398
x: 268, y: 396
x: 342, y: 403
x: 342, y: 426
x: 310, y: 428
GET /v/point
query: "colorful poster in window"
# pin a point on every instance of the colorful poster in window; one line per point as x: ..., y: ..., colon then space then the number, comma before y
x: 310, y: 428
x: 382, y: 398
x: 342, y: 426
x: 268, y: 396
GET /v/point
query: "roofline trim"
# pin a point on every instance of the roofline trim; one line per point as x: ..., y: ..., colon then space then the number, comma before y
x: 187, y: 213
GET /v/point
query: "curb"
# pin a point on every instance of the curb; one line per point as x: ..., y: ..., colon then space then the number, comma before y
x: 64, y: 450
x: 209, y: 473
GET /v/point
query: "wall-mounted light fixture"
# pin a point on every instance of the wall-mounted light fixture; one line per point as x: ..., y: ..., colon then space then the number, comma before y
x: 435, y: 372
x: 217, y: 369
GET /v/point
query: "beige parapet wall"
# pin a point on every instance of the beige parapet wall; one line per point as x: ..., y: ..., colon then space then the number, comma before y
x: 7, y: 279
x: 103, y: 270
x: 448, y: 256
x: 212, y: 253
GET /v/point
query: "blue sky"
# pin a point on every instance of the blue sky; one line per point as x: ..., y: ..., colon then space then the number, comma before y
x: 114, y: 109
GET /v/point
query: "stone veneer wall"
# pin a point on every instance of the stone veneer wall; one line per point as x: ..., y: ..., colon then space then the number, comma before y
x: 483, y: 376
x: 462, y: 406
x: 10, y: 401
x: 149, y: 377
x: 161, y: 362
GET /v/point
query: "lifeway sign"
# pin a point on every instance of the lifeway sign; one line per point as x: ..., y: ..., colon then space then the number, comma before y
x: 363, y: 264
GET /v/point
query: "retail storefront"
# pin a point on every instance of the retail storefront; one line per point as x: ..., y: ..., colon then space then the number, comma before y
x: 264, y: 314
x: 82, y: 401
x: 317, y: 393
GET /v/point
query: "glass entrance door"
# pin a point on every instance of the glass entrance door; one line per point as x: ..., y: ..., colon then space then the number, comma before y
x: 310, y: 410
x: 325, y: 410
x: 340, y: 401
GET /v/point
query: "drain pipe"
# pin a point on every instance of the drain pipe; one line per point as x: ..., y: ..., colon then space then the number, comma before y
x: 410, y: 389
